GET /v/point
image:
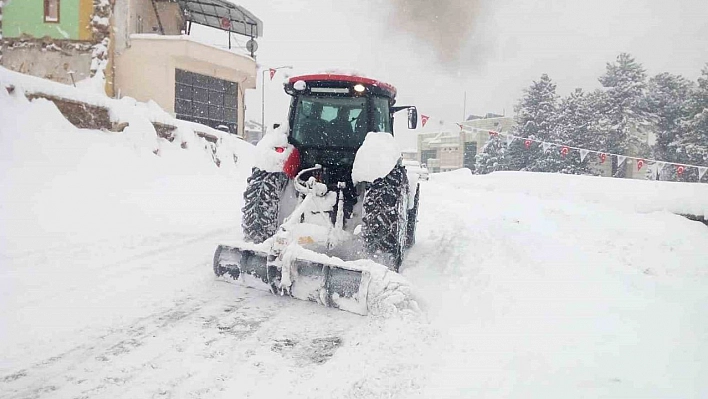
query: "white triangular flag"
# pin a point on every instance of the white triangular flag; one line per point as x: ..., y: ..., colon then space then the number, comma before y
x: 621, y: 159
x: 660, y: 167
x: 546, y: 146
x: 509, y: 139
x: 583, y: 154
x: 701, y: 172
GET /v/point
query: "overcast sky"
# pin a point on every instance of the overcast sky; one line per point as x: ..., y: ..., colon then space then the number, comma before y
x: 435, y: 51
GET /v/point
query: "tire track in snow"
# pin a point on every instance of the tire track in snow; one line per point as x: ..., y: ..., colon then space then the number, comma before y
x: 122, y: 354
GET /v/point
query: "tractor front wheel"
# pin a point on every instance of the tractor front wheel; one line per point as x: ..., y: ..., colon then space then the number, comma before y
x: 261, y: 204
x: 385, y: 218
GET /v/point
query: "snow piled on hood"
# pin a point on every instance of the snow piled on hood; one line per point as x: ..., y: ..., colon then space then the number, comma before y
x: 376, y: 157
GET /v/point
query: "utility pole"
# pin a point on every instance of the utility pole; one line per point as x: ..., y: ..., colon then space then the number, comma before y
x: 263, y: 126
x: 464, y: 108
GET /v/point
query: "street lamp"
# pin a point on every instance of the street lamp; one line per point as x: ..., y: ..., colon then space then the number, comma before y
x: 263, y: 127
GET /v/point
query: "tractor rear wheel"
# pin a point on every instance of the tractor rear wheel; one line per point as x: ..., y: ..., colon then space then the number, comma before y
x: 385, y: 218
x: 261, y: 204
x: 413, y: 219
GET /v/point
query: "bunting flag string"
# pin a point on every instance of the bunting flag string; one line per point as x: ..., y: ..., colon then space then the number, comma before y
x: 272, y: 73
x: 621, y: 159
x: 584, y: 152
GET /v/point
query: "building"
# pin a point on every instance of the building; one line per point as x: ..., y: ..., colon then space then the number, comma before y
x: 53, y: 39
x: 443, y: 151
x: 253, y: 132
x: 142, y: 48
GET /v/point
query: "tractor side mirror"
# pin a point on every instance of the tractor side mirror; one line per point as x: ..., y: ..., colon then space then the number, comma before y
x: 412, y: 118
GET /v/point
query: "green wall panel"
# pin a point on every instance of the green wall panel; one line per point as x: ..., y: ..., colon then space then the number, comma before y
x: 27, y: 17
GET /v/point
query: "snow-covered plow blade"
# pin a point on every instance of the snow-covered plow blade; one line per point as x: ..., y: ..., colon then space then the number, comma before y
x: 359, y: 287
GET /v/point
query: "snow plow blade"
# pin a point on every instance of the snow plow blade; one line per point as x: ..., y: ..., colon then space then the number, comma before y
x: 331, y: 285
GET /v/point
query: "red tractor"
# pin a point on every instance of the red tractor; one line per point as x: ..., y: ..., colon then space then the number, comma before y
x: 329, y: 205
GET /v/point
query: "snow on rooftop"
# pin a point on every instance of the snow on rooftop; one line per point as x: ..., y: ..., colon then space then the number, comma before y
x: 189, y: 38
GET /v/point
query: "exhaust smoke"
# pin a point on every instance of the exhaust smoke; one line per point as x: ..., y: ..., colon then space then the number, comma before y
x: 446, y: 26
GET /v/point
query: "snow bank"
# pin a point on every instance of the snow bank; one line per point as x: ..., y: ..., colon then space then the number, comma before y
x: 121, y: 110
x: 628, y: 194
x: 376, y: 157
x: 62, y: 185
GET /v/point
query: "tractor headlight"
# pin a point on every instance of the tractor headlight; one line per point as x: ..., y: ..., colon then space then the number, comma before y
x: 299, y: 85
x: 359, y: 88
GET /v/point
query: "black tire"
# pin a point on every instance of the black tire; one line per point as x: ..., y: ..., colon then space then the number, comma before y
x: 261, y: 203
x: 412, y: 219
x: 384, y: 223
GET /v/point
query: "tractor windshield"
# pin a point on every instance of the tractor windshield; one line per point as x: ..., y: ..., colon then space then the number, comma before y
x: 337, y: 122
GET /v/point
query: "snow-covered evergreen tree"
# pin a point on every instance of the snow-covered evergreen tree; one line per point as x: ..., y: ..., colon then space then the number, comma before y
x: 535, y: 118
x: 574, y: 125
x: 668, y: 101
x: 625, y: 83
x: 492, y: 157
x: 692, y: 148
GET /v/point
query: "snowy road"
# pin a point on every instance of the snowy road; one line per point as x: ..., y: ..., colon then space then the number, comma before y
x: 519, y: 302
x: 172, y: 330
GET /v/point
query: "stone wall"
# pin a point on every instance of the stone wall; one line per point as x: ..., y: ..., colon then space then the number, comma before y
x: 47, y: 59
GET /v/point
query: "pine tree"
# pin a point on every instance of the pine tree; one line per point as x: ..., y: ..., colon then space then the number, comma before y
x: 535, y: 119
x: 668, y: 101
x: 692, y: 148
x: 492, y: 157
x: 574, y: 125
x: 625, y: 83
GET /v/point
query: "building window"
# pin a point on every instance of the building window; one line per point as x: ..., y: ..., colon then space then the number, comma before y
x: 51, y: 10
x: 206, y: 100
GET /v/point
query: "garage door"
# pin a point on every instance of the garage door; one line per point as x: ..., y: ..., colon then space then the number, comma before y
x: 206, y: 100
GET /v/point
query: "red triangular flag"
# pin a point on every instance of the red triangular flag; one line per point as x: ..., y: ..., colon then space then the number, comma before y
x: 424, y: 120
x: 640, y: 164
x: 603, y: 157
x: 680, y: 169
x: 527, y: 143
x: 493, y: 133
x: 564, y: 151
x: 272, y: 73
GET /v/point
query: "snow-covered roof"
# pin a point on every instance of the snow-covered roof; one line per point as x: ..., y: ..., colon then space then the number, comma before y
x: 221, y: 14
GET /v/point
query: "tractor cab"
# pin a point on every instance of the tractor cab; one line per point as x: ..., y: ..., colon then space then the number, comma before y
x: 330, y: 116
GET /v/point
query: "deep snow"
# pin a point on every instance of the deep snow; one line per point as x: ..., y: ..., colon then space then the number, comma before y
x: 533, y: 285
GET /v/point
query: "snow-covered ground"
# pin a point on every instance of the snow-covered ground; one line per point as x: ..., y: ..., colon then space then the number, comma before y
x: 542, y: 286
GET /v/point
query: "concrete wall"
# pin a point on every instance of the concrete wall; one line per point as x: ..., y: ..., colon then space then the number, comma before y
x: 146, y: 69
x: 26, y: 17
x: 142, y: 18
x: 49, y: 64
